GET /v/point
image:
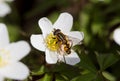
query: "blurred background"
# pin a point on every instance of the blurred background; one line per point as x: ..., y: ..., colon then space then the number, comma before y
x: 96, y: 18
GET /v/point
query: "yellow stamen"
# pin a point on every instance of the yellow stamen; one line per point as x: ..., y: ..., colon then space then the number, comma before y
x: 4, y: 56
x: 51, y: 42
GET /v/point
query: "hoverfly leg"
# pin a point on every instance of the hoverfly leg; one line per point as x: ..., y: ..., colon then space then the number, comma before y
x: 62, y: 53
x: 61, y: 58
x: 64, y: 59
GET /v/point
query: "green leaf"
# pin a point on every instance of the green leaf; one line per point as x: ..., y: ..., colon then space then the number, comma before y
x: 14, y: 32
x: 87, y: 63
x: 40, y: 71
x: 90, y: 77
x: 60, y: 77
x: 67, y: 70
x: 109, y: 76
x: 86, y: 77
x: 99, y: 77
x: 114, y: 21
x: 106, y: 60
x: 47, y: 77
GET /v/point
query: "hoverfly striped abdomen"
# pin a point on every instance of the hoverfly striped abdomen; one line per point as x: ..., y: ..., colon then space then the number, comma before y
x: 64, y: 44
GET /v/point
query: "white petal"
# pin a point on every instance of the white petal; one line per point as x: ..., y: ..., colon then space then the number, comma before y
x: 76, y: 37
x: 1, y: 78
x: 71, y: 59
x: 45, y: 25
x: 116, y: 36
x: 4, y: 39
x: 51, y: 57
x: 16, y: 71
x: 18, y: 50
x: 4, y: 9
x: 64, y: 22
x: 37, y: 41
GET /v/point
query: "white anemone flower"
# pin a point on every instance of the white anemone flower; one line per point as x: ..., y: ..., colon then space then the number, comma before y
x: 116, y: 36
x: 4, y: 8
x: 10, y: 54
x: 48, y: 42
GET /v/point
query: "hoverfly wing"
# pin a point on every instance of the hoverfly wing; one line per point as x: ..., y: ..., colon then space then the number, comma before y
x: 75, y: 40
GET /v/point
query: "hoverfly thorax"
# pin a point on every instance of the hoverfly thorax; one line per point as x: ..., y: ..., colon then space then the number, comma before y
x: 63, y: 41
x: 60, y: 36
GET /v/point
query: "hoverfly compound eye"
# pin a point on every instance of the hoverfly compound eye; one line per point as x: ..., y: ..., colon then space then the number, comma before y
x: 56, y: 31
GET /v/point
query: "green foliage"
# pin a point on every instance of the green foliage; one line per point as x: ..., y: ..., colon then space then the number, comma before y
x: 106, y: 60
x: 47, y: 77
x: 87, y: 63
x: 13, y: 32
x: 85, y: 77
x: 109, y: 76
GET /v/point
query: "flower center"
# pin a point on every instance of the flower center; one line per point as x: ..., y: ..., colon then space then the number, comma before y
x: 51, y: 42
x: 4, y: 56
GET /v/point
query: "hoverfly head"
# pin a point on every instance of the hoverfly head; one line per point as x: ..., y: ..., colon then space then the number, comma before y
x: 56, y: 31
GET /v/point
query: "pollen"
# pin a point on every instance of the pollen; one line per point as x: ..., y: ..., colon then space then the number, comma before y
x: 51, y: 42
x: 4, y: 56
x: 3, y: 62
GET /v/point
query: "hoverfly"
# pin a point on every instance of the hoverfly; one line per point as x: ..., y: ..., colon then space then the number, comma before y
x: 65, y: 42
